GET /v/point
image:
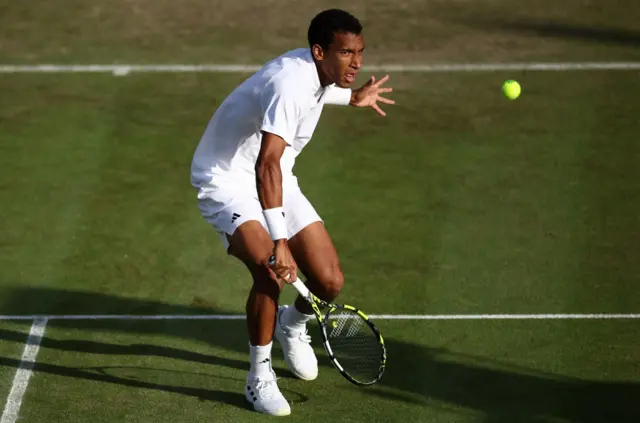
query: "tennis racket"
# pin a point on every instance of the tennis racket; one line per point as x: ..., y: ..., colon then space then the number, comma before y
x: 354, y: 344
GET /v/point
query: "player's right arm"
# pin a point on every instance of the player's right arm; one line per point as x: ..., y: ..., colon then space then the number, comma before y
x: 269, y: 172
x: 269, y: 185
x: 281, y: 112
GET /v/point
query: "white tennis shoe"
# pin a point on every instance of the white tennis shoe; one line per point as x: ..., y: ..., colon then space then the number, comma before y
x: 265, y: 396
x: 298, y: 354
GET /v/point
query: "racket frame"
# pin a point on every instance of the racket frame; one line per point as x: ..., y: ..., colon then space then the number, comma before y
x: 316, y: 303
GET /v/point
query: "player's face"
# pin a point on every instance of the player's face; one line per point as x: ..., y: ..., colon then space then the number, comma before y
x: 341, y: 62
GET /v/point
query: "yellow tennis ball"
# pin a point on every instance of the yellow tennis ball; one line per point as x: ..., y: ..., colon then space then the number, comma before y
x: 511, y: 89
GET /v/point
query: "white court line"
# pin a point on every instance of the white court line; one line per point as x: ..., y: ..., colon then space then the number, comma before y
x: 590, y: 316
x: 504, y: 316
x: 124, y: 69
x: 21, y: 380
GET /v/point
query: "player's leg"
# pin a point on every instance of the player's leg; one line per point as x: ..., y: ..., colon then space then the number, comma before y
x: 251, y: 244
x: 317, y: 259
x: 244, y: 236
x: 241, y: 225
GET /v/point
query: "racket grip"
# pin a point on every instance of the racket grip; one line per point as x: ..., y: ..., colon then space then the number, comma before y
x: 302, y: 289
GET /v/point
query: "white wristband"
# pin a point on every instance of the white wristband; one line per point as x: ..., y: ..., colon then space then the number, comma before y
x: 276, y: 223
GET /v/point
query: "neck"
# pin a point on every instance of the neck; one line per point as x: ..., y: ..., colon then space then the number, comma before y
x: 322, y: 76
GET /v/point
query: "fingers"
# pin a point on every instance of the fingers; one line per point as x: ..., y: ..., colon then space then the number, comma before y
x: 291, y: 275
x: 285, y: 270
x: 286, y: 273
x: 385, y: 100
x: 378, y: 109
x: 382, y: 81
x: 384, y: 90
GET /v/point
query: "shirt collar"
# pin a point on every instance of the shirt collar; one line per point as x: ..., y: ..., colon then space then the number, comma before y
x: 316, y: 86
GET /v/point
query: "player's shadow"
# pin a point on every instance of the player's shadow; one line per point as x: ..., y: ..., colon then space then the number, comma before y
x: 504, y: 394
x: 98, y: 374
x: 183, y: 329
x: 106, y: 348
x: 230, y: 335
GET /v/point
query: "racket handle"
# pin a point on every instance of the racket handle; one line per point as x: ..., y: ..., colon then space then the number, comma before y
x: 302, y: 289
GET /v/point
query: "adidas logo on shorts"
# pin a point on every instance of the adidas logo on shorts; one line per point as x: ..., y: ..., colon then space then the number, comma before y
x: 234, y: 217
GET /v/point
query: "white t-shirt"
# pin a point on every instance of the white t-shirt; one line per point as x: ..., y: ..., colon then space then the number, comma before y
x: 285, y: 98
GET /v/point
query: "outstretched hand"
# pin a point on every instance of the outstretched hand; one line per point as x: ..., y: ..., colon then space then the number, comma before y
x: 369, y: 95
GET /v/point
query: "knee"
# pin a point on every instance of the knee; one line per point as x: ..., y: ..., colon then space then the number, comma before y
x: 332, y: 282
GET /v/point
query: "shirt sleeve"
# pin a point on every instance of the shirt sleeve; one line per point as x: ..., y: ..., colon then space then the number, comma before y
x: 281, y: 110
x: 337, y: 95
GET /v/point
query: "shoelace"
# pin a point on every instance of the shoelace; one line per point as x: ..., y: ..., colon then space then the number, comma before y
x: 301, y: 336
x: 304, y: 337
x: 265, y: 389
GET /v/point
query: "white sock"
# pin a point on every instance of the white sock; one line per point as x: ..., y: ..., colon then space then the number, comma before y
x: 260, y: 361
x: 294, y: 320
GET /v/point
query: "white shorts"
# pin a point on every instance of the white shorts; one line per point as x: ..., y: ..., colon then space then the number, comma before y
x: 226, y: 208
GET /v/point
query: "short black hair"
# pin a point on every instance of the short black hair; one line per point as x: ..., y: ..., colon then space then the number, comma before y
x: 330, y: 22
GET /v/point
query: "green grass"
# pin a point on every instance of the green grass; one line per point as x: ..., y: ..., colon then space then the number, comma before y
x: 439, y: 371
x: 460, y: 201
x: 522, y: 206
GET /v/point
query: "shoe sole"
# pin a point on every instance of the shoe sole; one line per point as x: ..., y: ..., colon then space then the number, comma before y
x: 279, y: 413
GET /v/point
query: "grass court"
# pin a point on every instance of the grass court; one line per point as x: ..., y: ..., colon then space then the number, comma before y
x: 459, y: 202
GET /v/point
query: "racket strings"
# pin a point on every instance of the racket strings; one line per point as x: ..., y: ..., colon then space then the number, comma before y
x: 354, y: 344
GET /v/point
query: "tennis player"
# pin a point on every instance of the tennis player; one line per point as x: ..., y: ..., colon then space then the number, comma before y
x: 243, y: 171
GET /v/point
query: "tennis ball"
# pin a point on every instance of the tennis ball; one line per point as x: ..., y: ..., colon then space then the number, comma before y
x: 511, y: 89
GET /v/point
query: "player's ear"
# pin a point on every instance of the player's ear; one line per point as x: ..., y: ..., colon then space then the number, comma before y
x: 317, y: 51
